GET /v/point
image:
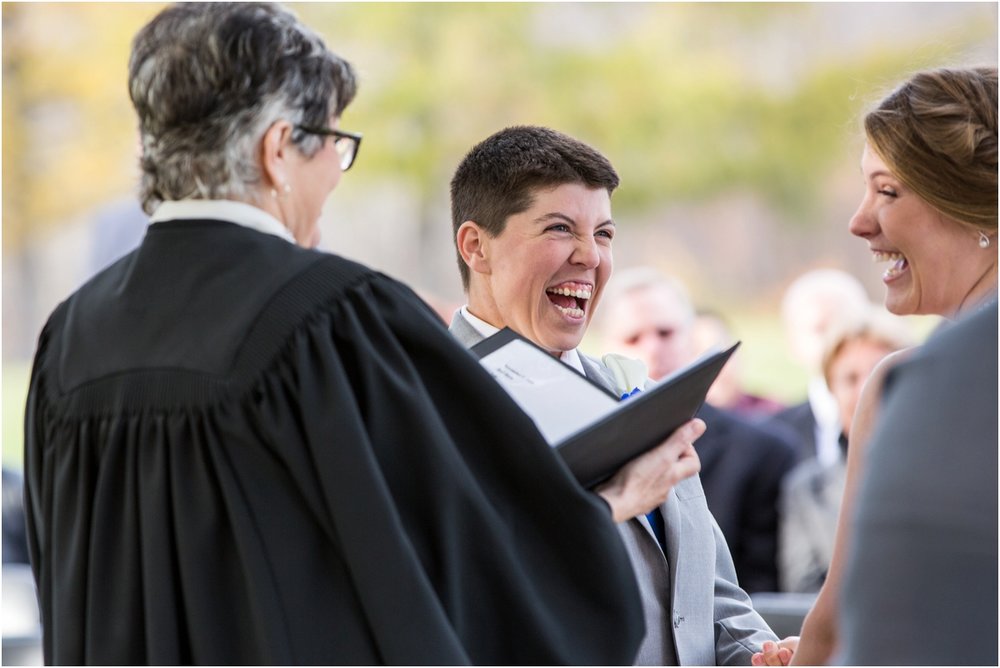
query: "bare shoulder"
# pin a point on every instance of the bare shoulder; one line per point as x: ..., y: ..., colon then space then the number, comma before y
x: 871, y: 398
x: 876, y: 380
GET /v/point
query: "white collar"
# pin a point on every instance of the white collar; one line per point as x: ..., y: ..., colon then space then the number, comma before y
x: 228, y: 210
x: 824, y: 406
x: 570, y: 357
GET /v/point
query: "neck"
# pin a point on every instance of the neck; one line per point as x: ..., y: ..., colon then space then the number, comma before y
x: 481, y: 304
x: 983, y: 292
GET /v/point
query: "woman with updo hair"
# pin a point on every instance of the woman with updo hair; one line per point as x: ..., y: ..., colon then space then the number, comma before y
x: 241, y: 450
x: 930, y: 164
x: 930, y: 210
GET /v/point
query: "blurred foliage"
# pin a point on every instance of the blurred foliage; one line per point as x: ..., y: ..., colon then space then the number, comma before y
x: 15, y: 378
x: 68, y: 128
x: 686, y: 99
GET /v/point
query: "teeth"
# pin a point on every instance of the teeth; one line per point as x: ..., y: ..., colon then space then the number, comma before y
x: 580, y: 294
x: 898, y: 266
x: 883, y: 256
x: 575, y: 312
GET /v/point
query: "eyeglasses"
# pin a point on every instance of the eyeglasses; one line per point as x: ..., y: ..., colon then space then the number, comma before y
x: 345, y: 143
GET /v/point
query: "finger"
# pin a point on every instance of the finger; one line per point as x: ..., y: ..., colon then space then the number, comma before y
x: 769, y: 654
x: 785, y: 655
x: 772, y: 659
x: 686, y: 467
x: 756, y: 659
x: 791, y: 642
x: 683, y: 437
x: 689, y: 452
x: 696, y: 427
x: 680, y: 443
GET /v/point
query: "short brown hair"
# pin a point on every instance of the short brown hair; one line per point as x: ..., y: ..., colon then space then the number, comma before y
x: 937, y: 133
x: 498, y: 178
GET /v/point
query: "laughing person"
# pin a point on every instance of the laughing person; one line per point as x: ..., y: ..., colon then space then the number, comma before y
x: 531, y: 210
x: 929, y: 209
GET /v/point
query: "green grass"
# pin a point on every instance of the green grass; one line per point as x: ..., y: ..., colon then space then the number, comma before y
x: 768, y: 368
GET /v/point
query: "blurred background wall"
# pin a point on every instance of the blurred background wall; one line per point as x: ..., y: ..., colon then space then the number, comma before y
x: 735, y: 129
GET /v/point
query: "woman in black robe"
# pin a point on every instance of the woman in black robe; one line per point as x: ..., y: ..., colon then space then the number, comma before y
x: 240, y: 450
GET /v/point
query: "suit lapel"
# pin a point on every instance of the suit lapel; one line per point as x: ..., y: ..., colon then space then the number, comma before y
x: 597, y: 373
x: 672, y: 524
x: 463, y: 332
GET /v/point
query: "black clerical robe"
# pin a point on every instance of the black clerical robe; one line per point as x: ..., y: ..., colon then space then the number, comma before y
x: 241, y: 451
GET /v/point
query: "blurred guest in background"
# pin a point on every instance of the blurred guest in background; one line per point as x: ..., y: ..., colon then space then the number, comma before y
x: 118, y: 227
x: 240, y: 450
x: 710, y: 330
x: 649, y: 315
x: 531, y: 211
x: 812, y: 304
x: 920, y: 587
x: 15, y: 542
x: 811, y: 493
x: 930, y: 210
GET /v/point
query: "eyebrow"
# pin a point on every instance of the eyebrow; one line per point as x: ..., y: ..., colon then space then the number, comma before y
x: 555, y: 215
x: 881, y: 172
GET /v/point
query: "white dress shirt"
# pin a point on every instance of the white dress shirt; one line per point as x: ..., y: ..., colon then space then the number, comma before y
x: 570, y: 357
x: 828, y: 428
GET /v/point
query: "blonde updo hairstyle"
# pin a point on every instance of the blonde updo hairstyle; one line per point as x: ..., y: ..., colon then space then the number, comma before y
x: 937, y: 133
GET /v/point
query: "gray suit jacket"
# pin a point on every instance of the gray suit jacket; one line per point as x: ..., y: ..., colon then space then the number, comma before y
x: 691, y: 600
x: 810, y: 505
x: 920, y: 584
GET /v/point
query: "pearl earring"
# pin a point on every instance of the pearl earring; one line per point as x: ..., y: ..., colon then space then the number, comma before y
x: 984, y: 241
x: 287, y: 188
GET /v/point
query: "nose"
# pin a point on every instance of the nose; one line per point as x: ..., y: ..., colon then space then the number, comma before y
x: 648, y: 348
x: 862, y: 223
x: 586, y: 253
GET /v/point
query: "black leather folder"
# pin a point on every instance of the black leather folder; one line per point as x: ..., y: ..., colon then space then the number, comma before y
x: 640, y: 422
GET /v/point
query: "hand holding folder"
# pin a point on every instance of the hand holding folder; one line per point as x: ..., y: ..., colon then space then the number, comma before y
x: 593, y: 431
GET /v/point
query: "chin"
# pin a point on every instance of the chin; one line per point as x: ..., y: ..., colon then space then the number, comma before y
x: 905, y: 308
x: 561, y: 343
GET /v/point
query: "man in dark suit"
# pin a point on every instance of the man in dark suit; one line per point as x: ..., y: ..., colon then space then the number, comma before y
x: 743, y: 465
x: 813, y: 303
x: 800, y: 420
x: 920, y: 584
x: 649, y: 316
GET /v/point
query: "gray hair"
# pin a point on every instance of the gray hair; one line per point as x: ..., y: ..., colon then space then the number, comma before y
x: 840, y: 293
x: 208, y: 79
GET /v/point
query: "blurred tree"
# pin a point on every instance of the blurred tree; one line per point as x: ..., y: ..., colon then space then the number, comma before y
x: 690, y: 100
x: 69, y: 133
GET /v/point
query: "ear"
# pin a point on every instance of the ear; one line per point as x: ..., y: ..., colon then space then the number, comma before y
x: 473, y: 244
x: 275, y: 148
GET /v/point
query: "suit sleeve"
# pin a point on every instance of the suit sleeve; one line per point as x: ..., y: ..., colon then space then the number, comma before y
x: 739, y: 629
x: 800, y: 566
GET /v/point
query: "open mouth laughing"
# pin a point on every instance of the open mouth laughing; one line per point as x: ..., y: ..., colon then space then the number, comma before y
x: 570, y: 298
x: 899, y: 263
